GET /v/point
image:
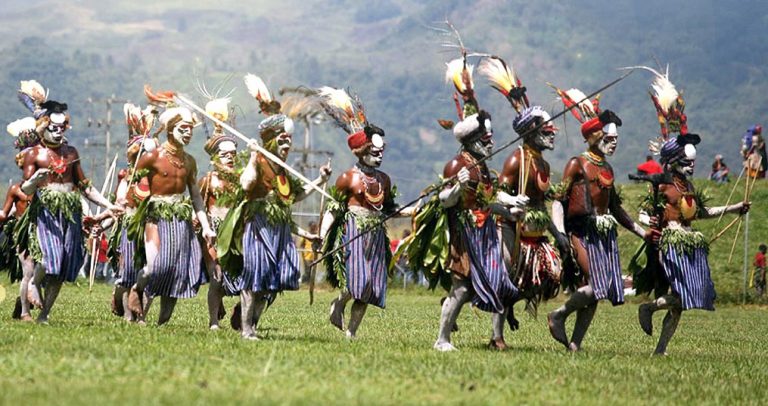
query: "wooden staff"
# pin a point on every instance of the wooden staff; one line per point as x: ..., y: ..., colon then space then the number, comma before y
x: 104, y: 187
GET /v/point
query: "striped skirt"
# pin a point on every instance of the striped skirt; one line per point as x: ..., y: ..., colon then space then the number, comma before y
x: 61, y: 242
x: 128, y: 272
x: 688, y: 274
x: 490, y: 280
x: 177, y: 268
x: 270, y: 258
x: 604, y: 266
x: 365, y: 261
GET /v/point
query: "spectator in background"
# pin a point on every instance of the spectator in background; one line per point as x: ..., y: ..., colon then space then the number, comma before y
x: 758, y: 277
x: 753, y: 151
x: 720, y: 170
x: 649, y: 167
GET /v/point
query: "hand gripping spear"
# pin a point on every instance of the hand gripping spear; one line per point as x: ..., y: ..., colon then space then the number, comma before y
x: 439, y: 186
x: 185, y: 101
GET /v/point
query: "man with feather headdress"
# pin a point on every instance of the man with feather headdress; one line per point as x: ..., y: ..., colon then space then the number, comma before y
x: 588, y: 209
x: 163, y: 221
x: 476, y: 267
x: 680, y: 252
x: 20, y: 264
x: 52, y: 173
x: 364, y: 195
x: 221, y: 192
x: 132, y: 188
x: 533, y: 263
x: 265, y: 259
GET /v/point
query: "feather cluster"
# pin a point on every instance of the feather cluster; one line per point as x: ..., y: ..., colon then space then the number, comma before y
x: 460, y: 73
x: 139, y: 121
x: 258, y: 89
x: 32, y: 94
x: 662, y: 88
x: 586, y: 109
x: 502, y: 78
x: 26, y: 124
x: 347, y: 112
x: 218, y: 108
x: 161, y: 98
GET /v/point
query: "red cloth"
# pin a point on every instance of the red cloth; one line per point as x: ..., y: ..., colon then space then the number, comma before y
x: 590, y: 126
x: 102, y: 250
x: 357, y: 140
x: 759, y: 260
x: 650, y: 167
x: 393, y: 245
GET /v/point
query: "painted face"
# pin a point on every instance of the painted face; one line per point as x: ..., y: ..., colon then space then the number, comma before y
x: 284, y: 143
x: 545, y: 138
x: 182, y: 133
x: 483, y: 146
x: 607, y: 144
x: 375, y: 153
x: 54, y: 132
x: 226, y: 153
x: 686, y: 165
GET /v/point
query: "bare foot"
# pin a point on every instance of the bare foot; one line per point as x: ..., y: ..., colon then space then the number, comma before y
x: 557, y: 328
x: 498, y: 344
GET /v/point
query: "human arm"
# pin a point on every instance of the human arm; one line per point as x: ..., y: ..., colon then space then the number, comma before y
x: 197, y: 204
x: 451, y: 193
x: 250, y: 173
x: 325, y: 173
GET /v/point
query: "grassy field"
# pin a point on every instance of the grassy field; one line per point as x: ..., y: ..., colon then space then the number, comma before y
x: 88, y: 355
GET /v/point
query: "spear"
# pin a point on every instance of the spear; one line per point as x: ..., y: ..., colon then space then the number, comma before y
x: 184, y: 100
x: 439, y: 186
x: 107, y: 182
x: 313, y: 267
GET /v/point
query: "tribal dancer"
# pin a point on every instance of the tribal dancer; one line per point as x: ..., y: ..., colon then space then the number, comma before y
x: 475, y: 262
x: 364, y: 195
x: 132, y: 189
x: 173, y: 254
x: 682, y: 252
x: 270, y: 260
x: 533, y: 264
x: 53, y: 174
x: 20, y: 263
x: 588, y: 209
x: 221, y: 191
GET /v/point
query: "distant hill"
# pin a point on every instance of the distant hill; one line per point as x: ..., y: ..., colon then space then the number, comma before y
x: 385, y: 51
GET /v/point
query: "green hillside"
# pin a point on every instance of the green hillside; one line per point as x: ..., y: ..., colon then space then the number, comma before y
x: 385, y: 51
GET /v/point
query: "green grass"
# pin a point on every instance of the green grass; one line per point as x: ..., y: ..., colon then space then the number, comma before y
x: 88, y: 355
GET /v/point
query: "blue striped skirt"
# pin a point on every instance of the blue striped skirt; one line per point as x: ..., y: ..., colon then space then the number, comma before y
x: 688, y: 274
x: 128, y: 273
x: 270, y: 258
x: 604, y: 266
x: 490, y: 279
x: 61, y: 242
x: 365, y: 261
x: 177, y: 267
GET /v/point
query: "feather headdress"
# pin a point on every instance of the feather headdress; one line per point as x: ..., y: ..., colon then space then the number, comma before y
x: 586, y: 109
x: 139, y: 121
x: 502, y: 77
x: 459, y: 72
x: 347, y: 112
x: 668, y: 102
x: 258, y: 89
x: 24, y: 131
x: 32, y: 95
x: 161, y: 98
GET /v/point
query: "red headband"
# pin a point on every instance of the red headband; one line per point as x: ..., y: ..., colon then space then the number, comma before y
x: 590, y: 126
x: 357, y: 140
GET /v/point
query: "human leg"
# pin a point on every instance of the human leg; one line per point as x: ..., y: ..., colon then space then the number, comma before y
x: 460, y: 293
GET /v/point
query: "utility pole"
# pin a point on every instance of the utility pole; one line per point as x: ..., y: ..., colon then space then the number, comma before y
x: 107, y: 123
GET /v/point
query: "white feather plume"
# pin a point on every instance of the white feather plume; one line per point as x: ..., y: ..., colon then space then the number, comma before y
x: 663, y: 89
x: 35, y: 90
x: 585, y: 105
x: 23, y: 124
x: 453, y: 73
x: 257, y: 88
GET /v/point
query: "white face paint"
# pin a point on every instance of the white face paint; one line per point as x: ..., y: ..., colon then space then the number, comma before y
x: 284, y: 143
x: 482, y: 146
x: 686, y: 165
x: 607, y: 144
x: 545, y: 138
x: 375, y: 153
x: 54, y: 132
x: 182, y: 133
x: 227, y: 151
